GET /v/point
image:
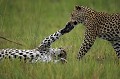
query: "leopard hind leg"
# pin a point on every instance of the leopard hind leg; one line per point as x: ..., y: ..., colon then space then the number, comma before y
x: 116, y: 46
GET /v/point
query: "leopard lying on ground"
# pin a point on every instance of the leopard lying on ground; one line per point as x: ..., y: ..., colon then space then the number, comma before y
x: 43, y: 53
x: 98, y: 24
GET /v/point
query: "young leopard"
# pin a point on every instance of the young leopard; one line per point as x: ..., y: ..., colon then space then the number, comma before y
x: 43, y: 53
x: 98, y: 24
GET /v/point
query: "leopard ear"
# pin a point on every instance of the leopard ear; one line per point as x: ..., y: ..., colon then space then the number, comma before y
x: 77, y: 7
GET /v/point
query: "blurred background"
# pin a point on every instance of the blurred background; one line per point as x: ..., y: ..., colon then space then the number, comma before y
x: 30, y: 21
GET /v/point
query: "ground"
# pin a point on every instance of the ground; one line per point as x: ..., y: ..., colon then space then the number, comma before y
x: 29, y: 22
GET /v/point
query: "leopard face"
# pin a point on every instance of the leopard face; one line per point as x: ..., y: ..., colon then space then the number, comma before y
x: 59, y: 55
x: 63, y: 55
x: 80, y: 14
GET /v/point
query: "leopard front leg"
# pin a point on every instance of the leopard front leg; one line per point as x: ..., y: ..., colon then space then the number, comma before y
x: 90, y: 37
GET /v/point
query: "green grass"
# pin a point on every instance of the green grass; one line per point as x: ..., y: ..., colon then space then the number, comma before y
x: 30, y: 21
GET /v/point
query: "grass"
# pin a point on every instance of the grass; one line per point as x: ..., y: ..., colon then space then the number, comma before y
x: 30, y: 21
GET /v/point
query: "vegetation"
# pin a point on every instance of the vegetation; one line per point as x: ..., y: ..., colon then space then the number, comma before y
x: 30, y: 21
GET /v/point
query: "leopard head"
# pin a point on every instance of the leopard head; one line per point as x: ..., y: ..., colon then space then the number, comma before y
x: 80, y: 14
x: 60, y: 55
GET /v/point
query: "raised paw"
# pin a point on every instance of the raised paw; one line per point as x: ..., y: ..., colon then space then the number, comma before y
x: 67, y: 28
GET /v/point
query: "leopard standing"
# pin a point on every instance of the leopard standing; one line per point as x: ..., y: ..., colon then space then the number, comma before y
x: 97, y: 24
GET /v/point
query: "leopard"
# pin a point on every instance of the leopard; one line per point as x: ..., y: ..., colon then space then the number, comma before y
x: 42, y: 53
x: 97, y: 25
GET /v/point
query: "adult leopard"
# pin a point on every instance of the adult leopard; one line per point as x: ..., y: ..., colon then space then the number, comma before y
x: 98, y: 24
